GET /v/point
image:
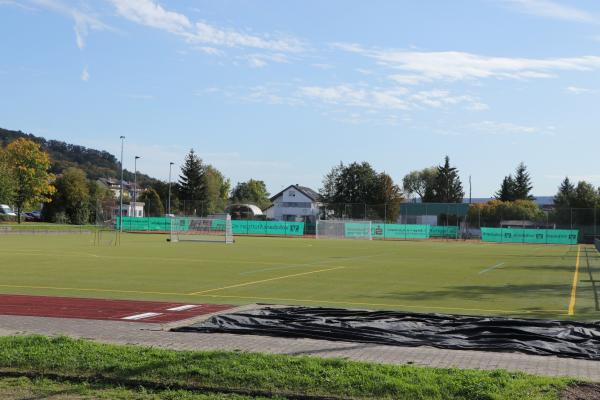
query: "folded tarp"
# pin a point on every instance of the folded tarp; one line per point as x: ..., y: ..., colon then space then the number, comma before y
x: 532, y: 336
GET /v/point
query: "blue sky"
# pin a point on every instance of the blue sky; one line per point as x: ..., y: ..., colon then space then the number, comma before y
x: 283, y: 90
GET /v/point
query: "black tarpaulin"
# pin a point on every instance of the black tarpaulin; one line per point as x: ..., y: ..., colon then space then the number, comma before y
x: 533, y: 336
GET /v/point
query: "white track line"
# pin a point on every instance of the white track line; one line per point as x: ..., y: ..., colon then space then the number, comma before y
x: 491, y: 268
x: 141, y: 316
x: 183, y: 308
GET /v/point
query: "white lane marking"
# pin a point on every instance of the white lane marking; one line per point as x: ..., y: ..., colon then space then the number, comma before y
x: 491, y: 268
x: 142, y: 316
x: 183, y: 308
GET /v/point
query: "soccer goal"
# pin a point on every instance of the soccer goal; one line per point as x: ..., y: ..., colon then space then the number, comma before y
x: 214, y: 228
x: 336, y: 229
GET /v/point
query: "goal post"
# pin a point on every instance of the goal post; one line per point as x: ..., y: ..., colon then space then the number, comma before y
x: 214, y: 228
x: 343, y: 229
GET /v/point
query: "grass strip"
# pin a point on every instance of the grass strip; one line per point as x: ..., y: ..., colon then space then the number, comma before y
x: 255, y: 374
x: 43, y: 388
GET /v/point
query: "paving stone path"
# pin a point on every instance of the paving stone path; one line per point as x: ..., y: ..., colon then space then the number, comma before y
x: 158, y: 335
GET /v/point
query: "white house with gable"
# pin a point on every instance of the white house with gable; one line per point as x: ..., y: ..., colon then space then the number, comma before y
x: 294, y: 203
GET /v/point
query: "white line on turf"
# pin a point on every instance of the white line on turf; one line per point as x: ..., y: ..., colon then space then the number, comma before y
x: 183, y: 308
x: 491, y: 268
x: 141, y: 316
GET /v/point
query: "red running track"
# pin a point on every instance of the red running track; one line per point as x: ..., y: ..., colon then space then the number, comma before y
x: 103, y: 309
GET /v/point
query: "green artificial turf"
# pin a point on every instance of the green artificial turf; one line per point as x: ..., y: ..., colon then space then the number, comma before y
x: 258, y: 374
x: 430, y: 276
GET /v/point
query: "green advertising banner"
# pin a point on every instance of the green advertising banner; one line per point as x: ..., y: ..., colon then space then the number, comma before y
x: 399, y: 231
x: 282, y: 228
x: 541, y: 236
x: 444, y: 232
x: 356, y: 229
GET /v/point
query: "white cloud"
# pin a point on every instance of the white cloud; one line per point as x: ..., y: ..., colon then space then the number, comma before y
x: 554, y: 10
x: 578, y: 90
x: 84, y: 22
x: 210, y: 50
x: 419, y: 67
x: 150, y: 13
x: 258, y: 60
x: 347, y: 95
x: 503, y: 128
x: 85, y: 75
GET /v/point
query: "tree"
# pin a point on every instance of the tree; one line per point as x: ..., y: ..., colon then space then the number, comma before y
x: 253, y: 191
x: 494, y: 211
x: 72, y: 198
x: 328, y: 191
x: 585, y: 196
x: 350, y: 188
x: 522, y: 184
x: 507, y: 189
x: 390, y: 195
x: 447, y: 187
x: 191, y: 184
x: 29, y: 166
x: 153, y: 207
x: 565, y: 195
x: 420, y: 182
x: 217, y: 190
x: 7, y: 181
x: 101, y: 203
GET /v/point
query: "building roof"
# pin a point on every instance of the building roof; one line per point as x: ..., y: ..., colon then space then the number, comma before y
x: 308, y: 192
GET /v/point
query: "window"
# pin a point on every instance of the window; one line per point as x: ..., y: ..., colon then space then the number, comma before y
x: 295, y: 204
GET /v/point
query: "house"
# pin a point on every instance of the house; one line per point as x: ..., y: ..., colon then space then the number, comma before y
x: 295, y: 203
x: 131, y: 210
x: 129, y: 188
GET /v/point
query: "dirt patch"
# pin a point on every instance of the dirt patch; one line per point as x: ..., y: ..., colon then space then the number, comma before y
x: 581, y: 392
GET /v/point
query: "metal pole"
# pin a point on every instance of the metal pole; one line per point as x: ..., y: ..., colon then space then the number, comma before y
x: 169, y: 199
x: 135, y: 187
x: 470, y: 193
x: 121, y: 191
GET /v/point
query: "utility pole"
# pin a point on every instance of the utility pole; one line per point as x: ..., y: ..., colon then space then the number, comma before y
x: 135, y: 186
x: 121, y: 191
x: 169, y: 199
x: 470, y: 193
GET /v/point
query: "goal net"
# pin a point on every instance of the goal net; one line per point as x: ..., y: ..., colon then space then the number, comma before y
x: 214, y: 228
x: 335, y: 229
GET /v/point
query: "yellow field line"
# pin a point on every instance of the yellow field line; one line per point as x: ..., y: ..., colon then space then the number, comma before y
x: 321, y: 301
x: 263, y: 280
x: 574, y: 285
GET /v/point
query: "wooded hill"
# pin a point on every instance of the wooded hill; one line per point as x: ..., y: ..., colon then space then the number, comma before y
x: 95, y: 163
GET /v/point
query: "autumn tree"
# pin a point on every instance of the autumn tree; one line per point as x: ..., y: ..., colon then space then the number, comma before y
x: 29, y: 166
x: 7, y: 181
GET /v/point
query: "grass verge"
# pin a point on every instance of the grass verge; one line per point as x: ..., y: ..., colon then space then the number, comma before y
x: 249, y: 374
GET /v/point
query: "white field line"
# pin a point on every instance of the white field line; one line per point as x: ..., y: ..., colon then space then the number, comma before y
x: 183, y: 308
x: 483, y: 271
x: 141, y: 316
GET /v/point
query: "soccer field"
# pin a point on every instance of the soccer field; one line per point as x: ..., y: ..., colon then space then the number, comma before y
x: 428, y: 276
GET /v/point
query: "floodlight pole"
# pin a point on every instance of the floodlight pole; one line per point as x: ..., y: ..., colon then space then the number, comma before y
x: 135, y: 188
x: 121, y: 191
x: 169, y: 199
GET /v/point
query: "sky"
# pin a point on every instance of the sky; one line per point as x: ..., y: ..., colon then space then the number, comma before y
x: 283, y: 90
